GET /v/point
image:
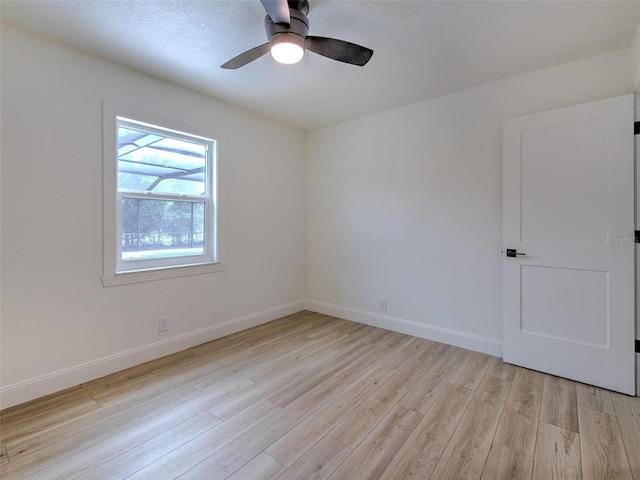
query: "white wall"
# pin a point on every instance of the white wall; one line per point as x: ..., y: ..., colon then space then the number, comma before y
x: 407, y: 204
x: 59, y: 325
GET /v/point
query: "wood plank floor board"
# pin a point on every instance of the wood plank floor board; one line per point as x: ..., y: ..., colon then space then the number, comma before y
x: 319, y: 462
x: 346, y: 328
x: 198, y: 449
x: 408, y: 351
x: 392, y: 341
x: 40, y: 404
x: 278, y: 380
x: 305, y: 326
x: 352, y: 340
x: 234, y: 343
x: 270, y: 330
x: 559, y: 403
x: 213, y: 351
x: 90, y: 462
x: 4, y: 456
x: 297, y: 441
x: 505, y: 463
x: 135, y: 373
x: 209, y: 348
x: 627, y: 410
x: 281, y: 361
x: 357, y: 425
x: 102, y: 420
x: 472, y: 370
x: 262, y: 467
x: 595, y: 398
x: 518, y: 426
x: 273, y: 351
x: 147, y: 398
x: 310, y: 396
x: 186, y: 404
x: 420, y: 454
x: 230, y: 458
x: 502, y: 370
x: 357, y: 356
x: 466, y: 453
x: 259, y: 334
x: 16, y: 428
x: 557, y: 454
x: 225, y: 380
x: 25, y: 461
x: 283, y: 344
x: 183, y: 374
x: 123, y: 465
x: 371, y: 457
x: 603, y: 453
x: 424, y: 392
x: 302, y: 326
x: 418, y: 365
x: 377, y: 336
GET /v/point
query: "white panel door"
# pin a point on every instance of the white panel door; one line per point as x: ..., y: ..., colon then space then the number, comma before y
x: 568, y: 206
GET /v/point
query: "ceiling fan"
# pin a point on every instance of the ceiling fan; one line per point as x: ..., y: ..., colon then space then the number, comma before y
x: 287, y: 26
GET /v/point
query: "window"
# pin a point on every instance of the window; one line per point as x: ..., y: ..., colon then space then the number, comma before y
x: 161, y: 217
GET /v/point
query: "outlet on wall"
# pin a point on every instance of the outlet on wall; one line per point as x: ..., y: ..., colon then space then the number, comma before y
x: 163, y: 324
x: 383, y: 303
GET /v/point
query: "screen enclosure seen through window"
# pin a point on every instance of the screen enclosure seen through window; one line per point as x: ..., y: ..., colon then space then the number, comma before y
x: 165, y: 198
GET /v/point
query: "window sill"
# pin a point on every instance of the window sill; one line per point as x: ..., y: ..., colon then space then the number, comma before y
x: 126, y: 278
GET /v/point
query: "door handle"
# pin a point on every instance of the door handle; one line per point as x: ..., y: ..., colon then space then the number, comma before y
x: 512, y: 252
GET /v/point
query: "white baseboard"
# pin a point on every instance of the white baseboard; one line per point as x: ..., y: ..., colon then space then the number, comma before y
x: 53, y: 382
x: 422, y: 330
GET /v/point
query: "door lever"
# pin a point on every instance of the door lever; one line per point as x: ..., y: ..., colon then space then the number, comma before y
x: 512, y: 252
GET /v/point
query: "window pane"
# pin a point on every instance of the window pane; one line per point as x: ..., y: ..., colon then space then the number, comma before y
x: 174, y: 165
x: 161, y: 228
x: 185, y: 186
x: 132, y: 181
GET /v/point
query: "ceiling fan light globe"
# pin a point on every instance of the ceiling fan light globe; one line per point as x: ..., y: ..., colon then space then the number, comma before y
x: 287, y: 53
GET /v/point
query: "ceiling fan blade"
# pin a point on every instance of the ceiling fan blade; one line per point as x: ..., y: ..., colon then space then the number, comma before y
x: 247, y: 57
x: 340, y: 50
x: 278, y: 10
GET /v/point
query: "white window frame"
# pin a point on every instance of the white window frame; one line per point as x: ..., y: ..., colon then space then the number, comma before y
x: 117, y: 272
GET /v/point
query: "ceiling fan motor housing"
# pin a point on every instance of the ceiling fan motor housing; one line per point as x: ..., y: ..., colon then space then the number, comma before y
x: 294, y: 33
x: 288, y: 38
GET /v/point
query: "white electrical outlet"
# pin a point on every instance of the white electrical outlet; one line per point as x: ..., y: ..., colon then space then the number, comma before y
x: 163, y: 324
x: 383, y: 303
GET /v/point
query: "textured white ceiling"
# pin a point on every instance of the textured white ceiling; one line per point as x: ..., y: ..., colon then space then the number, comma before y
x: 423, y: 49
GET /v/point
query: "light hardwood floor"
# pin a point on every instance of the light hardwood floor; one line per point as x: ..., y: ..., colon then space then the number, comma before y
x: 315, y: 397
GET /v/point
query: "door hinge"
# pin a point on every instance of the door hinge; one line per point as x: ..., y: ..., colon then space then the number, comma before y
x: 637, y: 346
x: 636, y: 128
x: 637, y: 236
